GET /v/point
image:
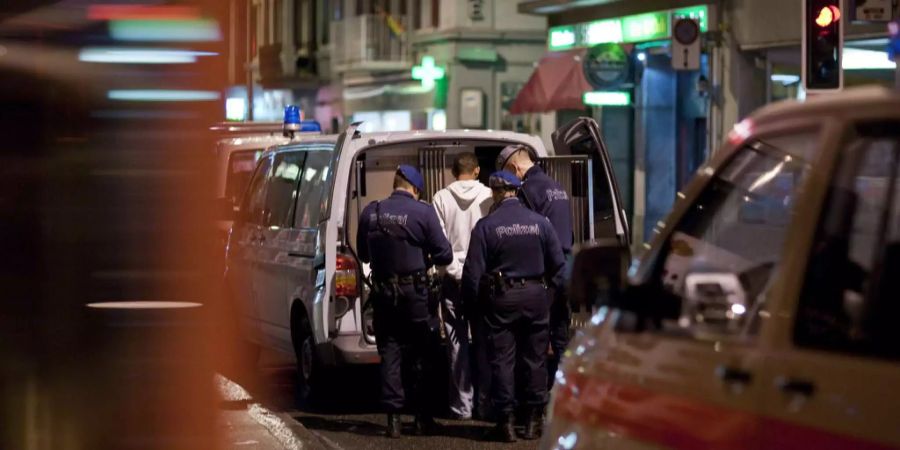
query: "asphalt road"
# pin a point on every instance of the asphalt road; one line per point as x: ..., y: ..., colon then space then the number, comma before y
x: 350, y: 419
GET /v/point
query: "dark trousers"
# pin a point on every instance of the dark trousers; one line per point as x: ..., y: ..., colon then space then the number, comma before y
x: 517, y: 326
x: 405, y: 334
x: 560, y: 321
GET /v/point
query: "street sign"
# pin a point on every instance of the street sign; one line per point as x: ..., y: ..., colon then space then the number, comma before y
x: 871, y: 10
x: 686, y: 44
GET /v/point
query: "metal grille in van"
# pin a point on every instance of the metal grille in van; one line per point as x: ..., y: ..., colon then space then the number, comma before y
x: 433, y: 167
x: 575, y: 175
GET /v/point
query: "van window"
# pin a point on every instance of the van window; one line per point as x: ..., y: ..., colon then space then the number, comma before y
x: 310, y: 197
x: 240, y: 169
x: 721, y: 256
x: 850, y: 297
x: 282, y: 187
x: 254, y: 202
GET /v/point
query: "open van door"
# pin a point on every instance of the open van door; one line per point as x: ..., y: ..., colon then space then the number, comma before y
x: 585, y: 169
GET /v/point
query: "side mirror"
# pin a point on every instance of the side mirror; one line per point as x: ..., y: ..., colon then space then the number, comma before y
x: 715, y: 301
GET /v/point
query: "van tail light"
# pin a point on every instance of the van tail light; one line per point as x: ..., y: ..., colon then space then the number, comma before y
x: 346, y: 277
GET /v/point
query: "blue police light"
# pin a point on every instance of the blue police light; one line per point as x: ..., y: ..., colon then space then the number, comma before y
x: 310, y: 126
x: 894, y: 42
x: 291, y: 118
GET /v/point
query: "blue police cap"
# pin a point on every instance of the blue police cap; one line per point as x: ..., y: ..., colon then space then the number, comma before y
x: 504, y: 179
x: 411, y: 174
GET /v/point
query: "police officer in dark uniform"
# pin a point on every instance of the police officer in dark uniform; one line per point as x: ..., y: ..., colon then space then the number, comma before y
x: 401, y: 237
x: 545, y: 196
x: 514, y: 256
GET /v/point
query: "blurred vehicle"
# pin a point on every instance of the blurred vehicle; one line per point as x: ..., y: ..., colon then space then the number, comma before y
x: 238, y: 148
x: 292, y: 266
x: 764, y: 313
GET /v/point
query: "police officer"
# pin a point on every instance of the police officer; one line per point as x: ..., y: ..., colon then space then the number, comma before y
x: 514, y: 256
x: 545, y: 196
x: 401, y: 237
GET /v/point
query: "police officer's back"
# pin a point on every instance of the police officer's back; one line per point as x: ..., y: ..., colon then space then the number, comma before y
x: 514, y: 255
x: 547, y: 197
x: 401, y: 237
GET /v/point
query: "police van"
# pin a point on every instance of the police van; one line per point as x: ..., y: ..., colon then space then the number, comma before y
x: 292, y: 266
x: 763, y: 313
x: 238, y: 146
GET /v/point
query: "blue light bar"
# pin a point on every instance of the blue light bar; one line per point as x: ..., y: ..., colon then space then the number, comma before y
x: 291, y: 118
x: 310, y: 126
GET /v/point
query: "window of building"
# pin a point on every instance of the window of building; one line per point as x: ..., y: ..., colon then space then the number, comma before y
x: 716, y: 266
x: 337, y: 12
x: 435, y: 13
x: 360, y: 7
x: 305, y: 26
x: 277, y: 21
x: 849, y: 300
x: 324, y: 25
x: 417, y: 14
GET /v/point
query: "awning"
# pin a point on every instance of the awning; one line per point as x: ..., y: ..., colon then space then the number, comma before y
x: 557, y: 83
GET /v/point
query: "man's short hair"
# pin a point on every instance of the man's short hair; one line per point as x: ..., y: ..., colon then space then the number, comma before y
x: 464, y: 163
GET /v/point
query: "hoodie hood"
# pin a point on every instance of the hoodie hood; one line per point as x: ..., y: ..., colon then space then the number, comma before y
x: 467, y: 192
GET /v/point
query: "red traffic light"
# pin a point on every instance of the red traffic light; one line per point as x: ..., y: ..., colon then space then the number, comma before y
x: 828, y: 15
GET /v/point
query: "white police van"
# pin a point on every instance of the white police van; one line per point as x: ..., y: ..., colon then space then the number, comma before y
x: 292, y: 265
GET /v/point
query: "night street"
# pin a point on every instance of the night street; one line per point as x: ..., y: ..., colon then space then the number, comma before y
x: 352, y: 419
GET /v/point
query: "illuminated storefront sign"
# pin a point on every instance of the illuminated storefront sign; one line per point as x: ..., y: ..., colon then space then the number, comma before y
x: 637, y: 28
x: 607, y: 98
x: 428, y: 73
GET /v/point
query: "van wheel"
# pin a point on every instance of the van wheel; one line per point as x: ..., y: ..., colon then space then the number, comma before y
x: 309, y: 369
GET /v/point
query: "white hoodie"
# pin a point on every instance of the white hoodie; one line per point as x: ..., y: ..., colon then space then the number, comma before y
x: 459, y: 206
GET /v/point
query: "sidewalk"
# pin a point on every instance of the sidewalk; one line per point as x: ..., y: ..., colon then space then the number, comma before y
x: 245, y: 424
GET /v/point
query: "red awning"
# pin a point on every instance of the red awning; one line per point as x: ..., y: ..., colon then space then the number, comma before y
x: 557, y: 83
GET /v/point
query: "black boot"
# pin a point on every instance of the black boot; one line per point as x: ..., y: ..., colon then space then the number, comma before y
x: 504, y: 431
x: 426, y: 426
x: 394, y: 424
x: 534, y: 423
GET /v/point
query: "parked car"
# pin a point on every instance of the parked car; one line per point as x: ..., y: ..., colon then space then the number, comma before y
x: 763, y: 313
x: 292, y: 266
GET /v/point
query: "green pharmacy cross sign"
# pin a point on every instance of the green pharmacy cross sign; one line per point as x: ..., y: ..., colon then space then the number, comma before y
x: 427, y: 72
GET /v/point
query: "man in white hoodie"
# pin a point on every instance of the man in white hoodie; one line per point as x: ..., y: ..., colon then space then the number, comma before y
x: 459, y: 206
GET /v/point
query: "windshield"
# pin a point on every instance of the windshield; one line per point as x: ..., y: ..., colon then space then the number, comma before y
x: 240, y: 169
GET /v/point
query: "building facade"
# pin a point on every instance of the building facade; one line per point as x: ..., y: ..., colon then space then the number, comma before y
x: 675, y: 119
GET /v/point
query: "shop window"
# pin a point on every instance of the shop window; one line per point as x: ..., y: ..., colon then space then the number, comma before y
x: 849, y: 300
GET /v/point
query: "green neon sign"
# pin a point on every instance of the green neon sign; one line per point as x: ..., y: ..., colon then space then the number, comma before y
x: 428, y: 73
x: 629, y: 29
x: 607, y: 98
x: 645, y: 27
x: 562, y: 38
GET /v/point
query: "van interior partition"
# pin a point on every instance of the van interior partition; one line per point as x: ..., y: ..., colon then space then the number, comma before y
x: 374, y: 172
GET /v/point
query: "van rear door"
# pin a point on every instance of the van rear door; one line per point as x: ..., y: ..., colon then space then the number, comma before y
x: 584, y: 169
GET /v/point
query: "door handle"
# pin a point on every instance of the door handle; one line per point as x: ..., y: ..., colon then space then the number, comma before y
x: 734, y: 375
x: 794, y: 386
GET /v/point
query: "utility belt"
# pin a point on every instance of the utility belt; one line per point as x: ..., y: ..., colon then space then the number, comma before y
x: 496, y: 284
x: 390, y: 286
